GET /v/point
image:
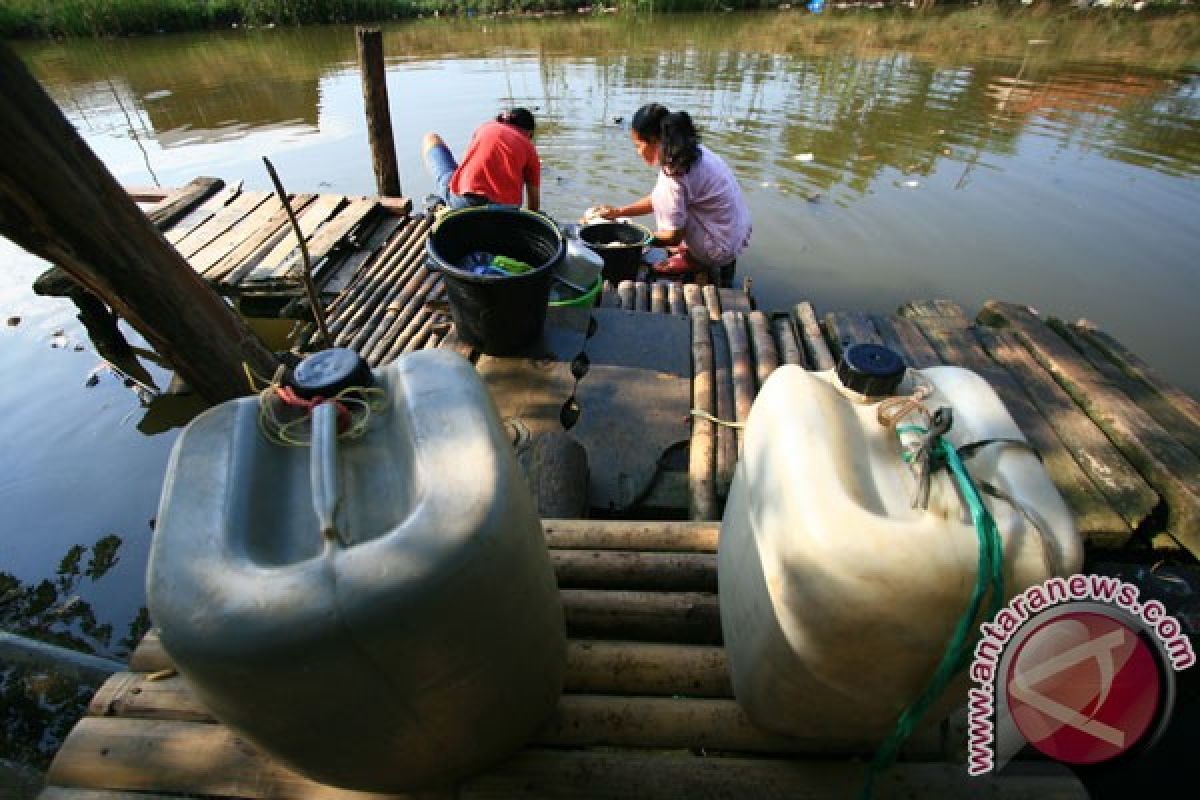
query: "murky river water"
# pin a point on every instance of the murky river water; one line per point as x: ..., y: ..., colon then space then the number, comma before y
x: 1039, y: 160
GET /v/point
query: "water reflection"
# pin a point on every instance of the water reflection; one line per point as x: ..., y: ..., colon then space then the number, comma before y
x: 765, y: 87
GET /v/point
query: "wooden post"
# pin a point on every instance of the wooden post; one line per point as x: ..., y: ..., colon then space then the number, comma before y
x: 379, y: 117
x: 59, y: 202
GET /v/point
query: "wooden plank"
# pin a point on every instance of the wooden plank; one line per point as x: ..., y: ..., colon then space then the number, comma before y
x: 245, y: 257
x: 175, y: 205
x: 202, y: 213
x: 600, y: 534
x: 956, y: 345
x: 1168, y: 466
x: 692, y: 296
x: 1169, y: 405
x: 150, y: 194
x: 658, y: 297
x: 641, y: 296
x: 903, y: 336
x: 220, y: 222
x: 330, y: 235
x: 805, y: 318
x: 735, y: 300
x: 344, y: 272
x: 849, y: 327
x: 611, y: 569
x: 948, y: 311
x: 1076, y: 437
x: 683, y: 617
x: 204, y: 258
x: 310, y: 219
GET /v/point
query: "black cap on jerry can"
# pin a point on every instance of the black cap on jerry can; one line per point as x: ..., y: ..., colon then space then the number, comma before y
x: 870, y: 369
x: 325, y: 373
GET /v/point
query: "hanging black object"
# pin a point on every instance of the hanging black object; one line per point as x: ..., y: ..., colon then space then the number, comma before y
x: 870, y: 369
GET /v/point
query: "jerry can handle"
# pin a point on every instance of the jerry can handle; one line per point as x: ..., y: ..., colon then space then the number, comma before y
x: 323, y: 464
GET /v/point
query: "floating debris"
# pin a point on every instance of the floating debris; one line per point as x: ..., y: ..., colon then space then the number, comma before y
x: 78, y: 348
x: 812, y: 197
x: 766, y: 184
x: 58, y: 339
x: 803, y: 156
x: 158, y: 95
x: 14, y: 322
x: 912, y: 184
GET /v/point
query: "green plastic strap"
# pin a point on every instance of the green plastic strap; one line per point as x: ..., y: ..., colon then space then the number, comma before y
x: 990, y: 576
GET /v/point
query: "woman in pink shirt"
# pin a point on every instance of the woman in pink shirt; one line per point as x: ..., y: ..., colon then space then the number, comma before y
x: 697, y: 203
x: 501, y: 161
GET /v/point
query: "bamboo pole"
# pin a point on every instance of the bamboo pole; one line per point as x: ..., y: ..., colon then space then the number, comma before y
x: 625, y: 292
x: 692, y: 296
x: 391, y: 273
x: 701, y: 489
x: 658, y: 297
x: 59, y: 202
x: 366, y: 276
x: 727, y: 447
x: 789, y: 347
x: 600, y: 534
x: 379, y: 120
x: 743, y: 372
x: 712, y: 301
x: 766, y: 358
x: 641, y: 296
x: 613, y: 569
x: 675, y: 299
x: 73, y: 664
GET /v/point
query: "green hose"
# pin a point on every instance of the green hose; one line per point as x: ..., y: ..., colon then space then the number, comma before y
x: 990, y: 576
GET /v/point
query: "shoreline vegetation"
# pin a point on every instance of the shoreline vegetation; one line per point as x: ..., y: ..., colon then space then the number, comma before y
x: 31, y: 19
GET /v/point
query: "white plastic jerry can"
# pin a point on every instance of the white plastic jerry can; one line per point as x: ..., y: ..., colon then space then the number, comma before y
x: 838, y: 597
x: 378, y: 613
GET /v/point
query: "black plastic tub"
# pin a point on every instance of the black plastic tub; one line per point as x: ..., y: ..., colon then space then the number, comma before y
x: 620, y: 244
x: 498, y: 315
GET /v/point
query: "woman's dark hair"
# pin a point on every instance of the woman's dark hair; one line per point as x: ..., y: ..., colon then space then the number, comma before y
x: 519, y: 118
x: 678, y: 141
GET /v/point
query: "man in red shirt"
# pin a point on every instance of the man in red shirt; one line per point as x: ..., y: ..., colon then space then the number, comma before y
x: 501, y: 161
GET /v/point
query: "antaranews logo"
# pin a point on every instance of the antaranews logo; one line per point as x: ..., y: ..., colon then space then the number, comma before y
x: 1076, y: 667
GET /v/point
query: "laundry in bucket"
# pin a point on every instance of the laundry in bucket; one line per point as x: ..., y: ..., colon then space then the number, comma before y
x: 480, y: 262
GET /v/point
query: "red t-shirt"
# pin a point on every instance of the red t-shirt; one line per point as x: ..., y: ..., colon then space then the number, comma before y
x: 500, y: 160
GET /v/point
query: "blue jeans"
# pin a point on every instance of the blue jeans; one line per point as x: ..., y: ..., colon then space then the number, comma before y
x: 440, y: 164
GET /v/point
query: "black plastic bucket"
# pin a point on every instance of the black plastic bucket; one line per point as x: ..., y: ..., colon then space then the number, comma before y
x: 497, y: 314
x: 620, y: 244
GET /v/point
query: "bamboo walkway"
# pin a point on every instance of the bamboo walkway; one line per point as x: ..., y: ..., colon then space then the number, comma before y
x: 646, y: 712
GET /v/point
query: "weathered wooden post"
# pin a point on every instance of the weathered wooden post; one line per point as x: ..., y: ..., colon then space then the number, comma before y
x: 379, y: 119
x: 59, y: 202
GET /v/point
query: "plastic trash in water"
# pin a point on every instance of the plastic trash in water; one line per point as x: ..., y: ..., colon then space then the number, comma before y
x: 803, y: 156
x: 816, y: 6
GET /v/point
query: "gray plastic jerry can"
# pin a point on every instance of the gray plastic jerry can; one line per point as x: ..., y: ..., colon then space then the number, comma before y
x: 419, y: 640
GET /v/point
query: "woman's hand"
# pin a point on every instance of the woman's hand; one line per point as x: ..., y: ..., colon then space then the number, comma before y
x: 606, y: 212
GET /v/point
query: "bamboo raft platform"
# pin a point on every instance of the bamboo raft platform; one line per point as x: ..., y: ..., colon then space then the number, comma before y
x: 647, y: 708
x: 1121, y: 443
